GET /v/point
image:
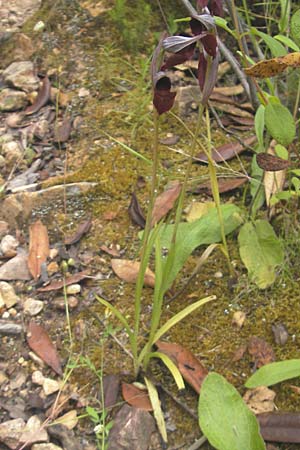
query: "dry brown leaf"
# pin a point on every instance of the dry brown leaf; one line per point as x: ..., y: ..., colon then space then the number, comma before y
x: 128, y: 271
x: 280, y: 426
x: 229, y: 90
x: 273, y: 181
x: 189, y: 366
x: 136, y: 397
x: 271, y: 67
x: 135, y: 211
x: 73, y: 279
x: 271, y: 163
x: 261, y: 352
x: 227, y: 151
x: 38, y: 248
x: 260, y: 399
x: 231, y: 109
x: 39, y: 341
x: 42, y: 97
x: 68, y: 420
x: 82, y: 229
x: 165, y: 201
x: 225, y: 185
x: 112, y: 250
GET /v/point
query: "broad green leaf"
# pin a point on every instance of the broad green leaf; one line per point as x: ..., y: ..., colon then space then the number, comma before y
x: 280, y: 123
x: 158, y: 414
x: 281, y: 151
x: 225, y: 419
x: 288, y: 42
x: 205, y: 230
x: 295, y: 26
x: 261, y: 252
x: 259, y: 122
x: 256, y: 190
x: 275, y: 47
x: 274, y: 373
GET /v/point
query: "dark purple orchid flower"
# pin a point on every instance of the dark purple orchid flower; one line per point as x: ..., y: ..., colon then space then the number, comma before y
x: 215, y: 7
x: 163, y: 98
x: 183, y: 48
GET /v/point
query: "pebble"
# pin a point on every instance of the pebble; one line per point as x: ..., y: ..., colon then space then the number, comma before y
x: 60, y: 304
x: 218, y: 274
x: 10, y: 432
x: 3, y: 228
x: 48, y: 446
x: 73, y: 289
x: 18, y: 381
x: 8, y: 246
x: 37, y: 377
x: 34, y: 431
x: 8, y: 296
x: 52, y: 267
x: 11, y: 100
x: 9, y: 328
x: 36, y: 359
x: 21, y: 75
x: 50, y: 386
x: 33, y: 307
x: 53, y: 253
x: 16, y: 269
x: 12, y: 151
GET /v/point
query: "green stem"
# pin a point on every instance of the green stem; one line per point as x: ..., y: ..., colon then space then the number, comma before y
x: 145, y: 250
x: 215, y: 191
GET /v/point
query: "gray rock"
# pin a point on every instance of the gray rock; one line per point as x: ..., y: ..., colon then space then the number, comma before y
x: 18, y: 381
x: 34, y: 432
x: 8, y: 246
x: 15, y: 12
x: 11, y: 211
x: 15, y: 269
x: 11, y: 100
x: 10, y: 432
x: 7, y: 295
x: 33, y: 307
x: 10, y: 328
x: 131, y: 430
x: 21, y: 75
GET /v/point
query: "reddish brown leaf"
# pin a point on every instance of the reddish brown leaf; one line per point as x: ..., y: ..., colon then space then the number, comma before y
x: 136, y: 397
x: 271, y: 163
x: 165, y: 201
x: 239, y: 353
x: 261, y: 352
x: 135, y: 211
x: 42, y: 97
x: 38, y: 248
x: 128, y: 271
x: 189, y: 366
x: 227, y: 151
x: 225, y: 185
x: 280, y: 426
x: 111, y: 385
x: 39, y: 341
x: 111, y: 250
x: 82, y: 229
x: 55, y: 285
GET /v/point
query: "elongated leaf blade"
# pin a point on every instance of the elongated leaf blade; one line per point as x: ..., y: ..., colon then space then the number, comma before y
x: 225, y: 419
x: 181, y: 315
x: 274, y: 373
x: 158, y: 414
x: 171, y: 367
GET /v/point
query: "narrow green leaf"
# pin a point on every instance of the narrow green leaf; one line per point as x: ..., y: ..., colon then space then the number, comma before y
x: 280, y: 123
x: 284, y: 15
x: 261, y: 252
x: 181, y: 315
x: 129, y: 149
x: 158, y: 414
x: 259, y: 123
x: 117, y: 313
x: 274, y: 373
x: 281, y: 151
x: 276, y: 48
x: 224, y: 417
x: 295, y: 26
x: 170, y: 365
x: 287, y: 41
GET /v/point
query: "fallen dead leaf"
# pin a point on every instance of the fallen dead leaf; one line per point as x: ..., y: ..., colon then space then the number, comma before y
x: 261, y: 352
x: 189, y: 366
x: 273, y: 181
x: 42, y: 97
x: 271, y: 162
x: 231, y: 109
x: 68, y: 420
x: 165, y: 201
x: 225, y: 185
x: 111, y: 250
x: 227, y: 151
x: 111, y: 385
x: 136, y: 397
x: 39, y: 341
x: 82, y: 229
x: 239, y: 353
x: 135, y: 212
x: 280, y: 426
x: 229, y: 90
x: 128, y: 271
x: 260, y: 399
x: 38, y: 248
x: 73, y: 279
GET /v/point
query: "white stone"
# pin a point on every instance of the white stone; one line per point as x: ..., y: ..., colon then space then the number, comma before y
x: 37, y: 377
x: 8, y: 295
x: 73, y: 289
x: 34, y: 431
x: 33, y: 307
x: 21, y: 75
x: 50, y: 386
x: 11, y: 431
x: 8, y: 246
